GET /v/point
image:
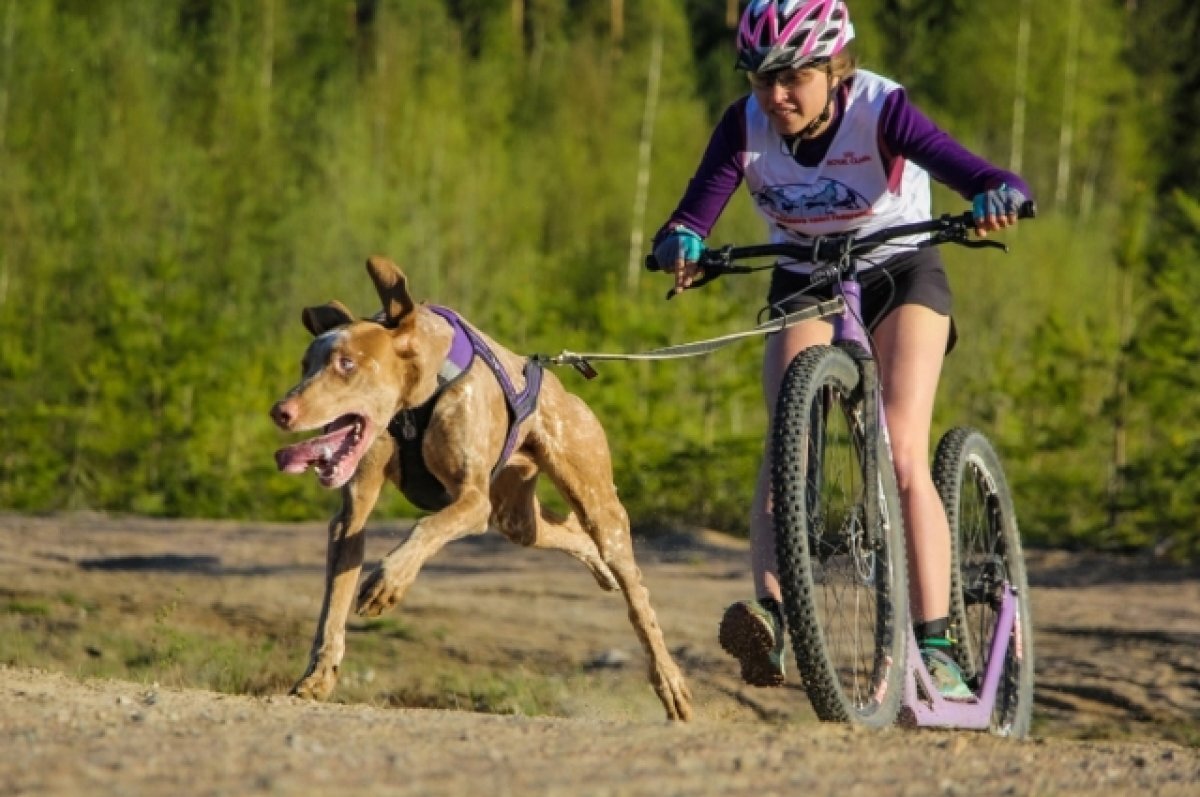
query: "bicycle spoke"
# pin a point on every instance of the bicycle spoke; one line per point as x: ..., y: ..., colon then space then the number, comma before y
x: 845, y: 568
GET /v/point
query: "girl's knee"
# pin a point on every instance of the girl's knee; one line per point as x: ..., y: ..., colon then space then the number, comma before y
x: 912, y: 471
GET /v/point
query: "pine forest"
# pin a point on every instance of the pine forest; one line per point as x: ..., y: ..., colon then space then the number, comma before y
x: 179, y: 178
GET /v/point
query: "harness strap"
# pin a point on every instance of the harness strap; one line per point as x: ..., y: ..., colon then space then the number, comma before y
x: 462, y: 349
x: 409, y: 425
x: 520, y: 405
x: 419, y: 486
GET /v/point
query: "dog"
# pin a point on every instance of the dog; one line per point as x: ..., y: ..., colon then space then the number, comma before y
x: 419, y: 397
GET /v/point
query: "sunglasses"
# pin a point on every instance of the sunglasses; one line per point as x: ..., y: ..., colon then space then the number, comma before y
x: 788, y: 79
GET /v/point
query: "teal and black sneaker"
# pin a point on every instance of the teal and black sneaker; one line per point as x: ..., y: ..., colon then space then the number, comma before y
x: 753, y: 634
x: 944, y: 670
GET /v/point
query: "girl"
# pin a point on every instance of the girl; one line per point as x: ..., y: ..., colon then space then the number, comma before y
x: 825, y: 147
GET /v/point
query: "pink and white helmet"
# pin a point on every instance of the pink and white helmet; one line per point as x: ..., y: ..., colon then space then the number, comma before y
x: 783, y: 34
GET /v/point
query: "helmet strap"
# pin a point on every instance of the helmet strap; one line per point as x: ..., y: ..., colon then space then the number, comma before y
x: 810, y: 130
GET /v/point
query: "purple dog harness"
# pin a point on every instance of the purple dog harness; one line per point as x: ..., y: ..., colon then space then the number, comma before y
x: 420, y: 486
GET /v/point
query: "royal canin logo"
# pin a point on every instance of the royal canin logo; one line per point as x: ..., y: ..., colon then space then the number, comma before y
x: 849, y: 158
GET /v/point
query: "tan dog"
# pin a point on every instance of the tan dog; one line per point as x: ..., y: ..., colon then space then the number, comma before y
x: 360, y: 375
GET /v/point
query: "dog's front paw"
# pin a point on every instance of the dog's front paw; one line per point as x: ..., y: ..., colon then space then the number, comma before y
x: 317, y: 685
x: 378, y: 594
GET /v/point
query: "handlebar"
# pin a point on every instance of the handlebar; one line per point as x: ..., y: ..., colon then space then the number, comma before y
x: 837, y: 252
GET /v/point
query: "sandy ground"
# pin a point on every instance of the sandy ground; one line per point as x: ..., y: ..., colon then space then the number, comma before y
x: 1117, y: 701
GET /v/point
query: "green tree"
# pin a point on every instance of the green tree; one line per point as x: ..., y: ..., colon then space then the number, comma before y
x: 178, y: 179
x: 1161, y: 500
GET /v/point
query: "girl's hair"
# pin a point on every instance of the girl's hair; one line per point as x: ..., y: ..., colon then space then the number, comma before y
x: 843, y: 64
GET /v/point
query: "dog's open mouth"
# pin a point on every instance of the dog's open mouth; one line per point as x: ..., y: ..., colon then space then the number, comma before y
x: 335, y: 454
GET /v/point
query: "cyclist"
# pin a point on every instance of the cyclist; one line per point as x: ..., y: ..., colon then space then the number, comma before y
x: 825, y: 147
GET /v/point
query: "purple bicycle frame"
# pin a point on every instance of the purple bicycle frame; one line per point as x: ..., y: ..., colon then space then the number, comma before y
x: 922, y: 704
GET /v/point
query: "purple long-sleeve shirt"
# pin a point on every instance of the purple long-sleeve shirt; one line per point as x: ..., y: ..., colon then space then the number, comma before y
x: 904, y: 132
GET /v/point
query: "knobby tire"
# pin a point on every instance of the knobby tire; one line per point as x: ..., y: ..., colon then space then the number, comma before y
x: 985, y: 554
x: 844, y: 583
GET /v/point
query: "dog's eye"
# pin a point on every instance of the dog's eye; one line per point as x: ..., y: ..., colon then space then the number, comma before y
x: 345, y: 364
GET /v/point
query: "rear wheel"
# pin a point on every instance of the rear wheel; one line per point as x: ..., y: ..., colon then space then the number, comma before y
x: 841, y: 568
x: 985, y: 556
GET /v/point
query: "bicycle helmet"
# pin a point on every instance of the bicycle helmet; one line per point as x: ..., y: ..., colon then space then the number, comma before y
x: 783, y: 34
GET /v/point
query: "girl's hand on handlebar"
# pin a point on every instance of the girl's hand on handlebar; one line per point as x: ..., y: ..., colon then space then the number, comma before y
x: 678, y: 253
x: 996, y: 209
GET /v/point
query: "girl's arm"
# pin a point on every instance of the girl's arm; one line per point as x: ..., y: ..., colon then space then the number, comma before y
x: 904, y: 131
x: 718, y: 176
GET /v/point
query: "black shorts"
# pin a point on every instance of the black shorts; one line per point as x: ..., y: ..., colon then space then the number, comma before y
x: 910, y: 278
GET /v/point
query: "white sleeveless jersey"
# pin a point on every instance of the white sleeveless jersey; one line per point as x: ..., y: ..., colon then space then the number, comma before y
x: 849, y: 190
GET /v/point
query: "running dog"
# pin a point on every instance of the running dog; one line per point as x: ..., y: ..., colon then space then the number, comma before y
x: 417, y: 396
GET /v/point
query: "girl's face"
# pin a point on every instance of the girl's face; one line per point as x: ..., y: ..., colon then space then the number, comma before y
x: 792, y: 98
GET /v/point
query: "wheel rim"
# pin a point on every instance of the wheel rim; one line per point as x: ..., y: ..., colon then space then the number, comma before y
x: 985, y: 572
x: 845, y: 565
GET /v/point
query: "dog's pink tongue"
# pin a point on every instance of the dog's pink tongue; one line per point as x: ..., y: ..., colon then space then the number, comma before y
x: 301, y: 456
x: 298, y: 458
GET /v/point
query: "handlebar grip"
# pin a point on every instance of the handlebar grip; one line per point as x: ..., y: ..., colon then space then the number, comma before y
x: 1028, y: 210
x: 651, y: 262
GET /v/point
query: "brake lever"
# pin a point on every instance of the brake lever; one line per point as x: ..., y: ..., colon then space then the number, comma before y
x: 983, y: 244
x: 959, y: 235
x: 713, y: 264
x: 709, y: 276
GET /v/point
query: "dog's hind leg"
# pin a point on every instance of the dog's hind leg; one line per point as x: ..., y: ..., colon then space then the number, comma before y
x: 610, y: 526
x: 343, y: 563
x: 518, y: 515
x: 574, y: 454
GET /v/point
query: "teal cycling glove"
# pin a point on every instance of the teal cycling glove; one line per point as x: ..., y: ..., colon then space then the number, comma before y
x: 1002, y: 201
x: 680, y: 243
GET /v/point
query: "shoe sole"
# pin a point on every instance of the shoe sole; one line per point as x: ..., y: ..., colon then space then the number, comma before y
x: 743, y: 636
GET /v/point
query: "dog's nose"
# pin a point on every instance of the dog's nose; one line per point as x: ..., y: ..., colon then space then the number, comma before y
x: 281, y: 415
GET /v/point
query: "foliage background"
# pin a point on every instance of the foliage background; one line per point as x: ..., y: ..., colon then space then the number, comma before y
x: 177, y: 179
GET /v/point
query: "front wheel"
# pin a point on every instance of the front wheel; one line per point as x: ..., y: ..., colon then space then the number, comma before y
x: 985, y: 558
x: 841, y: 567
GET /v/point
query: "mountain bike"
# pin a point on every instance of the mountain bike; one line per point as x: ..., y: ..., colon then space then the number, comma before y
x: 839, y: 528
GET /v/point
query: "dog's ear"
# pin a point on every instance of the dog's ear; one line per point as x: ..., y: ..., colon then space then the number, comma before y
x: 392, y: 286
x: 319, y: 320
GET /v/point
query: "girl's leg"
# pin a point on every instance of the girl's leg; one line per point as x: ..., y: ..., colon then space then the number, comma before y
x: 781, y: 349
x: 752, y: 630
x: 911, y: 344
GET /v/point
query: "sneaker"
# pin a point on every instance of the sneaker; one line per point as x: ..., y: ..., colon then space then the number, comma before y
x: 753, y: 634
x: 947, y: 677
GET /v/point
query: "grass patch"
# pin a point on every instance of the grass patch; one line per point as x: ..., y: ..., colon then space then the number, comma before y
x: 184, y: 645
x: 73, y: 636
x: 391, y: 627
x: 189, y: 659
x: 74, y: 601
x: 27, y: 608
x: 517, y: 693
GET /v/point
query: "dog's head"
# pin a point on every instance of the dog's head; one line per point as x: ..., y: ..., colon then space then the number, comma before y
x: 355, y: 375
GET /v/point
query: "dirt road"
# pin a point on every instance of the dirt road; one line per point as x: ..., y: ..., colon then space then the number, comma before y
x: 169, y: 610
